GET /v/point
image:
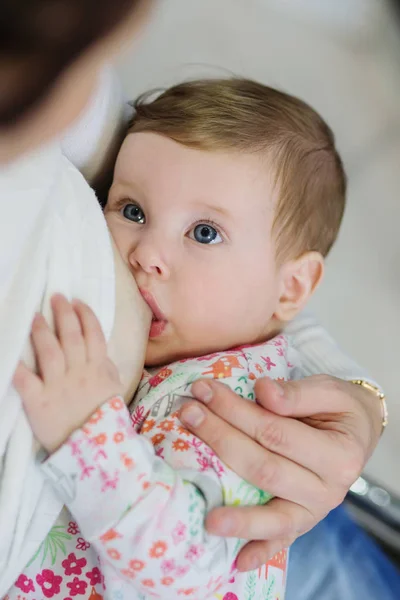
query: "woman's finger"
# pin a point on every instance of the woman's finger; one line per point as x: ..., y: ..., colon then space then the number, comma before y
x: 326, y: 402
x: 69, y: 332
x: 279, y: 519
x: 264, y: 469
x: 256, y: 554
x: 308, y: 396
x: 93, y: 335
x: 49, y: 355
x: 279, y: 434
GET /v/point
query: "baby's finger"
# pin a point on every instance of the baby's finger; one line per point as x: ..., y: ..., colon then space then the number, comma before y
x: 96, y: 346
x: 69, y: 331
x: 28, y: 385
x: 49, y: 355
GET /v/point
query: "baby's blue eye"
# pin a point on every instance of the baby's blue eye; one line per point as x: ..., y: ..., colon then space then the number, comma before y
x: 205, y: 234
x: 133, y: 212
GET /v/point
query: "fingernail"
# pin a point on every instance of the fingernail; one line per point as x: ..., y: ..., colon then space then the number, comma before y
x: 192, y: 415
x: 254, y: 563
x: 251, y: 564
x: 202, y: 391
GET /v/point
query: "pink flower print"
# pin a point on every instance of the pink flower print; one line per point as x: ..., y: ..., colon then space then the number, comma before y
x: 168, y: 566
x: 181, y: 571
x: 280, y: 352
x: 268, y: 362
x: 49, y: 582
x: 73, y: 528
x: 74, y: 445
x: 25, y: 584
x: 205, y: 463
x: 85, y: 469
x: 82, y: 544
x: 160, y: 452
x: 109, y: 482
x: 179, y: 532
x: 218, y: 466
x: 77, y: 587
x: 94, y: 576
x: 194, y: 553
x: 230, y: 596
x: 73, y: 565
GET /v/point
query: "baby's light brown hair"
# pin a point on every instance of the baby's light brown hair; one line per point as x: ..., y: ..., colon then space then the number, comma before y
x: 240, y: 115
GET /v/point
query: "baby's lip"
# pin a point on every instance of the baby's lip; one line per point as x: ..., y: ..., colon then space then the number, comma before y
x: 158, y: 315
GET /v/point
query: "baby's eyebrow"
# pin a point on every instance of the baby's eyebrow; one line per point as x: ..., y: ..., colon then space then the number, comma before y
x: 214, y: 208
x: 122, y: 187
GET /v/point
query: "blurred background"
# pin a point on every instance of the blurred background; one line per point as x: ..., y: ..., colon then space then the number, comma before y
x: 343, y: 57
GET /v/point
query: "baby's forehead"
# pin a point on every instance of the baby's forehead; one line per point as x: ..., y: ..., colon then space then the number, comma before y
x: 156, y: 161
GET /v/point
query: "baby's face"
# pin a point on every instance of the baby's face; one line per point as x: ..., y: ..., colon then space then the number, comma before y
x: 195, y: 229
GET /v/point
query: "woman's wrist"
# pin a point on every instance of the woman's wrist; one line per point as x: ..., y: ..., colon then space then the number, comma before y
x: 380, y: 397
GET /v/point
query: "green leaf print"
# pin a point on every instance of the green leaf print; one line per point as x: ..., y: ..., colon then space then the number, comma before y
x: 196, y: 510
x: 239, y: 544
x: 268, y: 592
x: 246, y: 494
x: 191, y: 378
x: 174, y: 381
x: 251, y: 583
x: 50, y: 544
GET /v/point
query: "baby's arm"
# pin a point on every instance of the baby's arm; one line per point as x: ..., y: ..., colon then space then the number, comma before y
x: 145, y: 517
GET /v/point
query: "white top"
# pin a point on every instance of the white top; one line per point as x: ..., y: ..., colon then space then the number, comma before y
x: 53, y: 238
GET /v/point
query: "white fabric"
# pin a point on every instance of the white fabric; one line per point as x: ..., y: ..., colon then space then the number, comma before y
x: 88, y: 141
x: 53, y: 238
x: 319, y: 352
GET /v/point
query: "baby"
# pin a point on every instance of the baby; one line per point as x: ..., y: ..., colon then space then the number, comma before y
x: 227, y: 195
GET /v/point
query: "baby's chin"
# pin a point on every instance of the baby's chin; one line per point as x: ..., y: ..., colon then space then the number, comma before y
x: 160, y: 354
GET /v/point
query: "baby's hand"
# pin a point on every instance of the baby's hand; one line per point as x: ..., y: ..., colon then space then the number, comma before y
x: 75, y: 375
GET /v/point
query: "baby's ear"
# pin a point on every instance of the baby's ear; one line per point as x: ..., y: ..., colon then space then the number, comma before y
x: 299, y: 280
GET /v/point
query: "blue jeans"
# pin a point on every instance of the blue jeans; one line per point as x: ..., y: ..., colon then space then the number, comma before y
x: 338, y: 561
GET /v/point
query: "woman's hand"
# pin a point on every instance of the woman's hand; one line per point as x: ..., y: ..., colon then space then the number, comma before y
x: 305, y: 442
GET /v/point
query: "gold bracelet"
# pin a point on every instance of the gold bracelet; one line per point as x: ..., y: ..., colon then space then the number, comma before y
x: 380, y: 395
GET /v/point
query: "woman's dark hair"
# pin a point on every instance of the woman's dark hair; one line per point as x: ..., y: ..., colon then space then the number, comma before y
x: 39, y: 39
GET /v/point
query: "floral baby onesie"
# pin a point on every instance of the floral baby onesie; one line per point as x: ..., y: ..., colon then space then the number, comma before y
x: 139, y: 486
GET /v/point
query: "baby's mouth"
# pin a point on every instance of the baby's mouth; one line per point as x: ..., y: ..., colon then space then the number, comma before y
x: 158, y: 320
